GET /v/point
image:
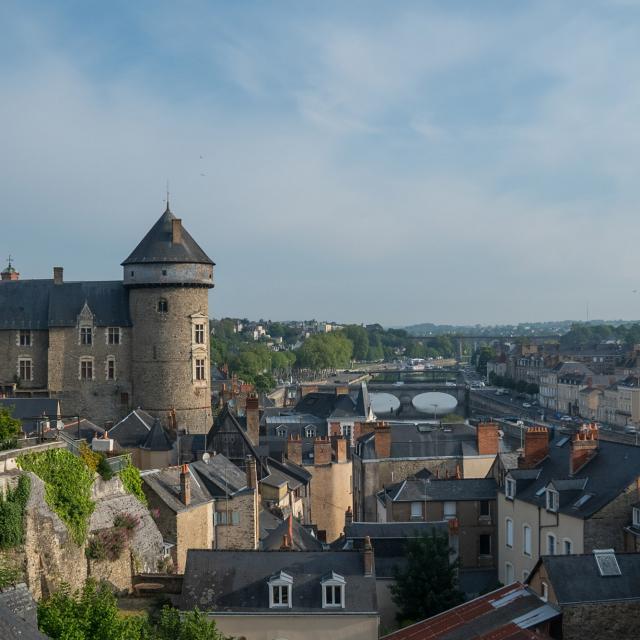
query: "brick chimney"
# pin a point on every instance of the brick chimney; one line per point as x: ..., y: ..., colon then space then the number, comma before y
x: 382, y: 440
x: 252, y: 413
x: 348, y: 516
x: 252, y: 473
x: 185, y: 485
x: 487, y: 438
x: 321, y: 451
x: 368, y: 558
x: 340, y: 448
x: 57, y: 275
x: 584, y: 447
x: 294, y: 448
x: 176, y: 231
x: 536, y: 447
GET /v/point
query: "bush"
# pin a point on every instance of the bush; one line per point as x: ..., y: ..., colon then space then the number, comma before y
x: 105, y: 471
x: 107, y: 544
x: 10, y: 429
x: 12, y: 507
x: 68, y: 483
x: 9, y: 572
x: 126, y: 521
x: 90, y: 457
x: 132, y: 482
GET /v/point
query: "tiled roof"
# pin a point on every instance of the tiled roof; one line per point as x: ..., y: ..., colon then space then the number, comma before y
x: 505, y: 614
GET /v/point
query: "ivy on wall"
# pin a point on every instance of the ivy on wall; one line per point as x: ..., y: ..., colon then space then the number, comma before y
x: 12, y: 505
x: 132, y: 482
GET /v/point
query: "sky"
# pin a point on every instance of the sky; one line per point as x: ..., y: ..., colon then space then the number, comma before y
x: 395, y: 162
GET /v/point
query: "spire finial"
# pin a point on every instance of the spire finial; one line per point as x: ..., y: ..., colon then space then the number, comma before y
x: 168, y: 195
x: 10, y: 258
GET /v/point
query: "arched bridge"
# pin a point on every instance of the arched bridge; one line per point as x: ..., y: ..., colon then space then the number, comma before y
x: 415, y: 400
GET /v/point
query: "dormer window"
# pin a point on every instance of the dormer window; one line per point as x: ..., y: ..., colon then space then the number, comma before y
x: 281, y: 431
x: 333, y: 591
x: 280, y: 586
x: 309, y: 431
x: 86, y: 335
x: 552, y: 500
x: 510, y: 488
x: 636, y: 517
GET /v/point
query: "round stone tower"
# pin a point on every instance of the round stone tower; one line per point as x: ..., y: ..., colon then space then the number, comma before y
x: 169, y: 276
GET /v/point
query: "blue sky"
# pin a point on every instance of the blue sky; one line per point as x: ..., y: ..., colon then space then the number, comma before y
x: 395, y: 162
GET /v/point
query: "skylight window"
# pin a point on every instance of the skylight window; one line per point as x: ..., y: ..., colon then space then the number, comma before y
x: 607, y: 562
x: 582, y: 500
x: 562, y: 442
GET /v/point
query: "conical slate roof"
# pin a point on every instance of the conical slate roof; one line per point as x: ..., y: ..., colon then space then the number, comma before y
x: 157, y: 440
x: 157, y: 247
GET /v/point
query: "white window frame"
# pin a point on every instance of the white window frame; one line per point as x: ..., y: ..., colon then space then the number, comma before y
x: 279, y: 585
x: 200, y: 376
x: 89, y: 361
x: 510, y: 488
x: 636, y: 516
x: 552, y: 500
x: 310, y: 431
x: 552, y: 544
x: 24, y: 362
x: 508, y: 532
x: 199, y: 333
x: 110, y: 360
x: 449, y: 510
x: 86, y: 336
x: 337, y: 584
x: 567, y: 546
x: 114, y: 335
x: 281, y: 431
x: 416, y: 511
x: 526, y: 548
x: 545, y: 592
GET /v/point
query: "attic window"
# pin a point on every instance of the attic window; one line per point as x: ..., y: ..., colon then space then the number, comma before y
x: 280, y: 590
x: 309, y: 431
x: 552, y: 500
x: 281, y: 431
x: 333, y: 591
x: 510, y: 488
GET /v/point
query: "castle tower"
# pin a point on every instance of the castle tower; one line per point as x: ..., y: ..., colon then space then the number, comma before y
x: 169, y: 276
x: 9, y: 273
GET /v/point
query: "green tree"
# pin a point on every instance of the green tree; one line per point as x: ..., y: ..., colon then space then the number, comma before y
x: 484, y: 355
x: 360, y: 340
x: 193, y: 625
x: 427, y: 585
x: 10, y: 428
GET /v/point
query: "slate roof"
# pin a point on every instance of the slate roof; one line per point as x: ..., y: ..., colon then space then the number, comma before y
x: 408, y: 442
x: 219, y: 477
x: 18, y: 615
x: 418, y: 489
x: 576, y: 578
x: 28, y: 410
x: 166, y: 485
x: 157, y: 439
x: 132, y: 430
x: 302, y: 540
x: 40, y: 304
x: 507, y: 613
x: 87, y: 431
x: 606, y: 476
x: 156, y: 246
x: 236, y: 581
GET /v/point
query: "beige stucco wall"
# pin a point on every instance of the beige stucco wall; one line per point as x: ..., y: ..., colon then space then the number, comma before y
x: 194, y: 530
x: 476, y: 466
x: 299, y: 627
x: 541, y: 522
x: 331, y: 495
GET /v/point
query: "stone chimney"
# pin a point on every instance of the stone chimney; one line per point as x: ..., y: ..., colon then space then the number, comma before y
x: 321, y: 451
x: 382, y: 440
x: 252, y: 473
x: 252, y: 413
x: 176, y: 231
x: 340, y: 449
x: 369, y: 570
x: 57, y: 275
x: 348, y: 516
x: 487, y: 438
x: 185, y: 485
x: 536, y: 447
x: 584, y: 447
x: 294, y: 448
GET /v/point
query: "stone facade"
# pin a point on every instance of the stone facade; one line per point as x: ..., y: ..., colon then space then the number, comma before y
x: 603, y: 621
x: 242, y: 529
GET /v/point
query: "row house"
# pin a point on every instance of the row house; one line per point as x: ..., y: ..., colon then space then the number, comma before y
x: 567, y: 496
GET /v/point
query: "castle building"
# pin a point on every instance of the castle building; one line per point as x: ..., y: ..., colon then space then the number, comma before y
x: 104, y: 348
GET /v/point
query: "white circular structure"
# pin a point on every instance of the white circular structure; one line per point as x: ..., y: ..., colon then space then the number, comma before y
x: 383, y: 402
x: 434, y: 402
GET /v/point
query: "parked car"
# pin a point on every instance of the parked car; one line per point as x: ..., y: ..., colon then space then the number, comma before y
x: 526, y: 405
x: 566, y: 419
x: 630, y: 429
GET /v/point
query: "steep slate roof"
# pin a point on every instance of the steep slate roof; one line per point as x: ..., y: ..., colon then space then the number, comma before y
x: 28, y: 410
x: 219, y: 476
x: 408, y: 442
x: 157, y: 439
x: 236, y: 581
x: 302, y: 540
x: 413, y: 489
x: 18, y: 615
x: 132, y: 430
x: 507, y: 613
x: 40, y: 304
x: 87, y: 431
x: 576, y: 578
x: 402, y: 530
x: 613, y: 469
x: 156, y: 246
x: 166, y: 485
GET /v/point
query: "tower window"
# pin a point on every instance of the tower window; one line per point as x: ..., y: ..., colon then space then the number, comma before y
x: 111, y: 368
x: 113, y: 335
x: 25, y: 370
x: 199, y: 334
x: 163, y: 305
x: 86, y: 335
x: 86, y: 369
x: 25, y: 338
x: 200, y: 371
